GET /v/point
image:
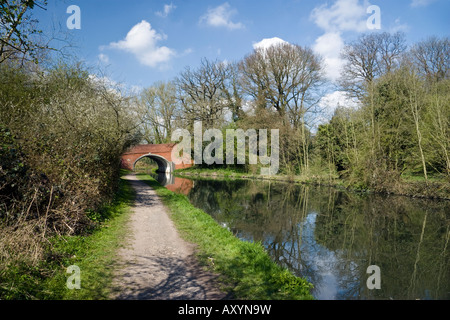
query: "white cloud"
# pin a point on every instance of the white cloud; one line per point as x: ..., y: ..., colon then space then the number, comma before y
x: 187, y: 51
x: 266, y: 43
x: 329, y: 46
x: 142, y: 41
x: 103, y: 58
x: 341, y: 16
x: 333, y: 100
x: 168, y: 8
x: 421, y: 3
x: 399, y: 26
x: 221, y: 17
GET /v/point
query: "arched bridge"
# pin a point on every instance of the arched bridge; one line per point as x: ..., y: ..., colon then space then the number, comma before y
x: 160, y: 153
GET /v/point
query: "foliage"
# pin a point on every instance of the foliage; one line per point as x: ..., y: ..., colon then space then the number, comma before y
x: 401, y: 126
x: 159, y: 112
x: 20, y: 39
x: 62, y: 132
x: 93, y: 253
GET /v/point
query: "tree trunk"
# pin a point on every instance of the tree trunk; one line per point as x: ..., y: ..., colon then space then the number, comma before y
x: 415, y: 113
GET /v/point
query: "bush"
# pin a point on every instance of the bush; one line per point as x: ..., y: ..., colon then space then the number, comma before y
x: 62, y: 132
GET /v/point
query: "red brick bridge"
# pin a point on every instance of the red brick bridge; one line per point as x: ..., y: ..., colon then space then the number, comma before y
x: 160, y: 153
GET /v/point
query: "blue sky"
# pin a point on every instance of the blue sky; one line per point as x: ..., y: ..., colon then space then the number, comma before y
x: 137, y: 42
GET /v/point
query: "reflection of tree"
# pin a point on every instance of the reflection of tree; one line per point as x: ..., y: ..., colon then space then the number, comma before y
x: 322, y: 232
x: 400, y: 236
x: 443, y: 267
x: 411, y: 288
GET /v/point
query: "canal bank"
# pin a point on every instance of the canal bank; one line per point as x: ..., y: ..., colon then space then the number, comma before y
x: 439, y: 189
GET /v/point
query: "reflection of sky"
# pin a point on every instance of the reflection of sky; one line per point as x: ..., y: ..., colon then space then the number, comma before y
x: 321, y: 265
x: 321, y: 261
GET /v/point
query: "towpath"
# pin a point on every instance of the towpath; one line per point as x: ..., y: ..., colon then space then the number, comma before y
x: 156, y: 263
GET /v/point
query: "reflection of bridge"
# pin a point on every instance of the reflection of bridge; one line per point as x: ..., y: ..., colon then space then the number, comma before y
x: 175, y: 184
x: 160, y: 153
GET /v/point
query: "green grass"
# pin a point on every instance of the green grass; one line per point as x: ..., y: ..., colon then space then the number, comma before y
x: 415, y: 177
x: 239, y: 173
x: 94, y: 254
x: 246, y: 269
x: 234, y: 172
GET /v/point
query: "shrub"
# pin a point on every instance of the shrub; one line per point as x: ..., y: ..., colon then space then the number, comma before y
x: 62, y: 132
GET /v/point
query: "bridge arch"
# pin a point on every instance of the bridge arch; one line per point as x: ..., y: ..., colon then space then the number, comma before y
x: 160, y: 153
x: 164, y: 165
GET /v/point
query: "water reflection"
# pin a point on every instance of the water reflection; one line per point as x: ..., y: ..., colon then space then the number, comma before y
x: 179, y: 185
x: 164, y: 178
x: 331, y: 237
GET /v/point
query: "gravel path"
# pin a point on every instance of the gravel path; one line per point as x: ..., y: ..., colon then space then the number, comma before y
x: 157, y: 264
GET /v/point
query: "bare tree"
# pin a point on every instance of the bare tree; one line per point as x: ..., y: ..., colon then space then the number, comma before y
x: 160, y: 109
x: 18, y: 31
x: 432, y: 58
x: 205, y: 94
x: 284, y: 77
x: 369, y: 57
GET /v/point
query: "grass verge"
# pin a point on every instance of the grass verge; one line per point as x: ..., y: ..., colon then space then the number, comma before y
x: 94, y: 253
x: 247, y: 270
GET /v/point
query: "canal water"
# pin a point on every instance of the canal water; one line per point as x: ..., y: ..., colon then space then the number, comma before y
x: 333, y: 237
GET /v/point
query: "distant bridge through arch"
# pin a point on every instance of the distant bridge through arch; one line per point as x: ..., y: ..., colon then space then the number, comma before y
x: 160, y: 153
